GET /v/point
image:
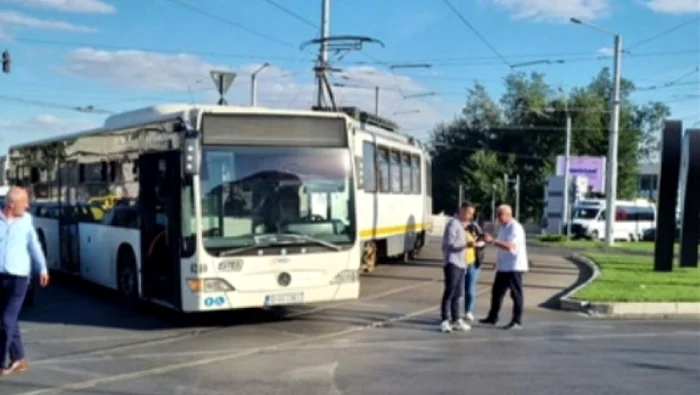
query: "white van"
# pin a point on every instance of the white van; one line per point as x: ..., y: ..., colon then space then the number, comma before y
x: 632, y: 219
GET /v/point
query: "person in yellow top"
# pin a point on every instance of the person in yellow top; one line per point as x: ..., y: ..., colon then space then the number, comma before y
x: 474, y: 256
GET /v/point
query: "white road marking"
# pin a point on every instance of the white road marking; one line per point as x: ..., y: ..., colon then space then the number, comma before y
x: 74, y: 372
x: 87, y: 339
x: 365, y: 299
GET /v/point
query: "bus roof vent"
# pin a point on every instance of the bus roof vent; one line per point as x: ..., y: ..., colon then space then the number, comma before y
x: 363, y: 116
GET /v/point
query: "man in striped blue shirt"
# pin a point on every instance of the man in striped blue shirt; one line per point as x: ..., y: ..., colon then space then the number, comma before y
x: 21, y: 256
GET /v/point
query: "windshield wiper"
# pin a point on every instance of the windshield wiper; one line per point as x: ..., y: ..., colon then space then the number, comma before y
x: 308, y: 238
x: 276, y: 239
x: 243, y: 249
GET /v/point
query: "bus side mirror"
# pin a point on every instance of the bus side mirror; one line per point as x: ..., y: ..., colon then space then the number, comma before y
x: 191, y: 153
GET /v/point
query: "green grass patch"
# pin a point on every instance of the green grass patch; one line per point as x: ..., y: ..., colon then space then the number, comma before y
x: 626, y: 278
x: 636, y: 246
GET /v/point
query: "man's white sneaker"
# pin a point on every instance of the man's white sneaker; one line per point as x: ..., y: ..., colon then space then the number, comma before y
x: 460, y: 325
x: 445, y: 327
x: 469, y: 317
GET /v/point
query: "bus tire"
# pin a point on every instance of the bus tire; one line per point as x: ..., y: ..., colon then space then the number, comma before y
x: 369, y: 257
x: 127, y: 275
x: 418, y: 246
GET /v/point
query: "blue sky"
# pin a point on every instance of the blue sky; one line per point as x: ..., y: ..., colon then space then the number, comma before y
x: 123, y: 54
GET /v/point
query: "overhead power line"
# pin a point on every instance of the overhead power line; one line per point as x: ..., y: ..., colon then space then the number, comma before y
x: 675, y: 82
x: 160, y: 50
x: 663, y: 33
x: 231, y: 23
x: 476, y: 32
x: 47, y: 104
x: 292, y: 14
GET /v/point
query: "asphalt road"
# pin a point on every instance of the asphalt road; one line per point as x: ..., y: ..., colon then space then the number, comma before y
x: 82, y: 342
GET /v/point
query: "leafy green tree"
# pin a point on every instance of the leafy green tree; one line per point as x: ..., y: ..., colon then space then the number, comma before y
x: 523, y: 133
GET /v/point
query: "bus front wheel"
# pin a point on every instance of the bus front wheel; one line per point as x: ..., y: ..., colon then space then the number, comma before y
x: 369, y: 257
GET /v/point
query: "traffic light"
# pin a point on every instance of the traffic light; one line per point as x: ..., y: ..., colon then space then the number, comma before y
x: 6, y: 62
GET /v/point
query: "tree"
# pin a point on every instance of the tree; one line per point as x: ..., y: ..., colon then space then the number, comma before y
x: 453, y: 144
x: 523, y: 133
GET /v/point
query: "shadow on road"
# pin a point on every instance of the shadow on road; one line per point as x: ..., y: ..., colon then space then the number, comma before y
x: 71, y: 301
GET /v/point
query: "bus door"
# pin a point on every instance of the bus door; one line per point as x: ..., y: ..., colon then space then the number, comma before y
x: 159, y: 212
x: 69, y: 220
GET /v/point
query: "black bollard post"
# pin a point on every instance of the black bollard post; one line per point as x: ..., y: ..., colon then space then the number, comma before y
x: 671, y: 141
x: 690, y: 188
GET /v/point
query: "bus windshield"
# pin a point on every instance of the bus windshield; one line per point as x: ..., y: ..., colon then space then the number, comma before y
x: 249, y: 192
x: 585, y: 212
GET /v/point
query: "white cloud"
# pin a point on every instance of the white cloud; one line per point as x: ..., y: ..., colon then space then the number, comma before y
x: 277, y: 87
x: 138, y: 69
x: 46, y: 124
x: 80, y: 6
x: 16, y: 19
x: 554, y: 10
x: 606, y: 51
x: 674, y: 6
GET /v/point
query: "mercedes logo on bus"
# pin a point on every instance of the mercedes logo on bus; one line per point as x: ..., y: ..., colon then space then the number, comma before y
x: 284, y: 279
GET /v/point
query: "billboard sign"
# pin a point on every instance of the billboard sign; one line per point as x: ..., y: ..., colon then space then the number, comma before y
x: 591, y: 167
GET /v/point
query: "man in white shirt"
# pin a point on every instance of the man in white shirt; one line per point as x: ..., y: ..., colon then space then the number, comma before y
x: 510, y: 265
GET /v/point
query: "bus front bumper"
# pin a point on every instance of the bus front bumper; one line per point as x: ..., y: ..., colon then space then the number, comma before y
x: 216, y: 301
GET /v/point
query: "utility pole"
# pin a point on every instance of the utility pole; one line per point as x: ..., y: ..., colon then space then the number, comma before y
x: 567, y: 177
x: 376, y: 101
x: 506, y: 183
x: 254, y: 83
x: 611, y: 173
x: 611, y: 182
x: 461, y: 197
x: 493, y: 205
x: 323, y: 50
x: 517, y: 197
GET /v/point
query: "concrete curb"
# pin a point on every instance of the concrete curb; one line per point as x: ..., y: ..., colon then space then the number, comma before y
x: 624, y: 309
x: 566, y: 302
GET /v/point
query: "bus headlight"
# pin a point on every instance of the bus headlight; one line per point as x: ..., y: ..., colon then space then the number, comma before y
x: 209, y: 285
x: 346, y: 276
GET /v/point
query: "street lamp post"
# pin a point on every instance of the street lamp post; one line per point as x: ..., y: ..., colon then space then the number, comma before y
x: 253, y: 84
x: 611, y: 182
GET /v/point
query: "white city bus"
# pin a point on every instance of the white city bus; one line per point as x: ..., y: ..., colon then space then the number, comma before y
x: 204, y: 207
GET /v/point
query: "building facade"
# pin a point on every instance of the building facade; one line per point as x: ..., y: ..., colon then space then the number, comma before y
x: 648, y: 181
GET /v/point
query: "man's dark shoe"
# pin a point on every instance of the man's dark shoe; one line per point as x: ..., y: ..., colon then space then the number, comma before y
x: 487, y: 321
x: 513, y: 326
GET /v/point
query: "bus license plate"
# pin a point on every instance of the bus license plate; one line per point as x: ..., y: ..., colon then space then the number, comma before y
x: 278, y: 299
